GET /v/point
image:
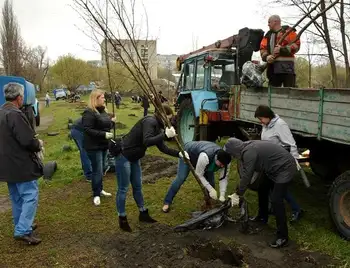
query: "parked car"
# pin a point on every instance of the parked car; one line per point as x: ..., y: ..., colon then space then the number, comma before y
x: 60, y: 94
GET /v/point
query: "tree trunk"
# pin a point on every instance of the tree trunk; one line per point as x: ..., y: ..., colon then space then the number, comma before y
x: 329, y: 46
x: 343, y: 39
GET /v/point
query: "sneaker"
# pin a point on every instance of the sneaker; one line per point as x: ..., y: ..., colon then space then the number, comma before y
x: 34, y: 226
x: 123, y: 224
x: 166, y: 208
x: 105, y: 193
x: 29, y: 239
x: 97, y: 201
x: 296, y: 216
x: 279, y: 243
x: 145, y: 217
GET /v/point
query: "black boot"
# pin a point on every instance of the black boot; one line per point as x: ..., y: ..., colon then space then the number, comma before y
x: 145, y: 217
x: 123, y: 224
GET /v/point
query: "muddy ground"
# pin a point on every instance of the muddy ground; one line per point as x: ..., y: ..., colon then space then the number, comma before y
x: 156, y: 167
x: 159, y: 246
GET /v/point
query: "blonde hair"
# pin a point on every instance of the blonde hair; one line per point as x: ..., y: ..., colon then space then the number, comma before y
x: 95, y: 94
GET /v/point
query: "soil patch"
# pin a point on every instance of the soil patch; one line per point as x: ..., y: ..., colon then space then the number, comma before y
x: 5, y: 203
x: 120, y: 125
x: 159, y: 246
x: 157, y: 167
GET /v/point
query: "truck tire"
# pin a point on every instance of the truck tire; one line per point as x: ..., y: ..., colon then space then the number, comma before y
x: 187, y: 123
x: 339, y: 204
x: 37, y: 118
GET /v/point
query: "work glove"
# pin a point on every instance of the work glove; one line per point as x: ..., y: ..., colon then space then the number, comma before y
x: 113, y: 119
x: 234, y: 199
x: 186, y: 155
x: 170, y: 132
x: 213, y: 194
x: 109, y: 135
x: 222, y: 198
x: 41, y: 143
x: 270, y: 58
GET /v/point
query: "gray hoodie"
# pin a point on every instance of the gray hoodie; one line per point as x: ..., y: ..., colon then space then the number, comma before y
x: 278, y: 132
x: 261, y: 156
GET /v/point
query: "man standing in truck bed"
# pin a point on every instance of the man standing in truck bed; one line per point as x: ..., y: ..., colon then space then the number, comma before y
x: 280, y: 58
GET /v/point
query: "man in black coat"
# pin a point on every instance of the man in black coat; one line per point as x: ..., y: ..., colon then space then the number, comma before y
x: 278, y: 165
x: 20, y: 165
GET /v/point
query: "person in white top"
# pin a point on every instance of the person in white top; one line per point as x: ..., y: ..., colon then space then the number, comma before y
x: 47, y: 99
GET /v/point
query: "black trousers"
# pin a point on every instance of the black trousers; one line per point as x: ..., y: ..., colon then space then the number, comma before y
x: 278, y: 194
x: 279, y: 80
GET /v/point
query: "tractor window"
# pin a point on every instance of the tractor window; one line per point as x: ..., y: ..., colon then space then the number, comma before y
x: 216, y: 73
x: 200, y: 75
x: 189, y: 75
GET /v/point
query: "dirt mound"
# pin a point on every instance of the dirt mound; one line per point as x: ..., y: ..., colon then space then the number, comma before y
x: 157, y: 167
x: 158, y: 246
x: 120, y: 125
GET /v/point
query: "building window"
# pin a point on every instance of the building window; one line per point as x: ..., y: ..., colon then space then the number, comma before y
x: 116, y: 54
x: 144, y: 52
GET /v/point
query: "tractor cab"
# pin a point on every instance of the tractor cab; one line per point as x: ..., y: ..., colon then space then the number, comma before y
x: 208, y: 77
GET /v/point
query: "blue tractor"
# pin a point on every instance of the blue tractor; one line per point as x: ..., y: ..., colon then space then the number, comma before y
x: 207, y: 81
x: 31, y: 103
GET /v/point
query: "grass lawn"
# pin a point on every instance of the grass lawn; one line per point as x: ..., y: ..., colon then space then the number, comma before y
x: 73, y: 230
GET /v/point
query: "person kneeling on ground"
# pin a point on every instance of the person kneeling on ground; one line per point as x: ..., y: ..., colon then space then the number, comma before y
x: 20, y: 166
x: 279, y: 166
x: 207, y: 158
x: 147, y: 132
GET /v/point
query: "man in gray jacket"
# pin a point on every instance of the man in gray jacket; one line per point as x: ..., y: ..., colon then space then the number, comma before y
x: 279, y: 166
x: 20, y: 165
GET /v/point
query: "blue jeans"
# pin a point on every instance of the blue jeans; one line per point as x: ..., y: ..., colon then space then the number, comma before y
x: 98, y: 160
x: 182, y: 172
x: 78, y: 138
x: 292, y: 202
x: 128, y: 172
x: 24, y: 199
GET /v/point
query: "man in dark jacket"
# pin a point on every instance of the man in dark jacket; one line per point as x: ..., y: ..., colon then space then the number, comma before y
x: 77, y: 134
x: 20, y: 166
x: 207, y: 158
x: 279, y: 166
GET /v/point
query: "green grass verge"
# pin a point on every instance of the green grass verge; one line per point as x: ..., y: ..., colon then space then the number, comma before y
x: 69, y: 223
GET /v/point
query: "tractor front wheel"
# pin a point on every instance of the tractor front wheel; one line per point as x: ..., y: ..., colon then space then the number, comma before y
x: 187, y: 123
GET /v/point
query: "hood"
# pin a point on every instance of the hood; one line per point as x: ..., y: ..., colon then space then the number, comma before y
x: 235, y: 147
x: 273, y: 121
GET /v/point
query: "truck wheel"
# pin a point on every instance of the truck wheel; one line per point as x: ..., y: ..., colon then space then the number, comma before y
x: 187, y: 123
x: 37, y: 118
x: 339, y: 204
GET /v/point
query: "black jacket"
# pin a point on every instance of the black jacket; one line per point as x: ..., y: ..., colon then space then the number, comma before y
x: 145, y: 133
x: 95, y: 127
x: 18, y: 145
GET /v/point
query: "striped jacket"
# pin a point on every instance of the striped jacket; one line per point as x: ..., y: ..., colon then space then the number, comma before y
x: 289, y: 46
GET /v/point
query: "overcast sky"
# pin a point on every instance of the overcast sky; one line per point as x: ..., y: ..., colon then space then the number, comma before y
x: 175, y: 23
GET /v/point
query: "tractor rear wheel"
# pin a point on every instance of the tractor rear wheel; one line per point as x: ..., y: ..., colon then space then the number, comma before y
x: 187, y: 123
x: 339, y: 204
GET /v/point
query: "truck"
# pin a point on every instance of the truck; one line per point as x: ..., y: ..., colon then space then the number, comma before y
x: 30, y: 104
x: 213, y: 103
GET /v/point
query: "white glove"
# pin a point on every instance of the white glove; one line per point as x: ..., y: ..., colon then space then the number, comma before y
x: 170, y: 132
x: 213, y: 194
x: 222, y: 198
x: 186, y: 155
x: 109, y: 135
x: 41, y: 154
x: 41, y: 143
x: 114, y: 119
x: 234, y: 199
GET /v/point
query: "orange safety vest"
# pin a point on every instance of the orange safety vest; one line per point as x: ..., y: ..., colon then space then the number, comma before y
x: 289, y: 46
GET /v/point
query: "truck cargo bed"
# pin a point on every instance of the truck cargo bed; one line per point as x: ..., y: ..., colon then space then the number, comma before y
x: 322, y: 113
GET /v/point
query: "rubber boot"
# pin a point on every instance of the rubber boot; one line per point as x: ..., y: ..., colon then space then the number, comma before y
x: 123, y: 224
x: 145, y: 217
